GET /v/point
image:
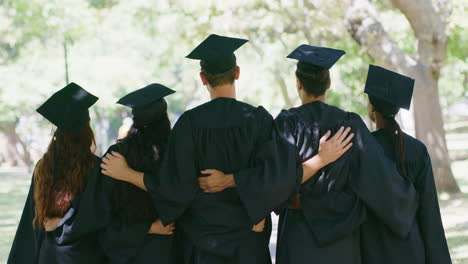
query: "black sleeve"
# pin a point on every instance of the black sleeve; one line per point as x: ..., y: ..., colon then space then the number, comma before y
x: 428, y: 216
x: 376, y: 181
x: 272, y: 177
x: 121, y: 240
x: 331, y: 210
x: 285, y: 130
x: 28, y: 239
x: 175, y: 185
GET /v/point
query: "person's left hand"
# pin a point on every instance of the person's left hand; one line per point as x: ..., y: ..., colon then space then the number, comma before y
x: 158, y: 228
x: 217, y: 181
x: 259, y: 227
x: 50, y: 224
x: 332, y: 149
x: 115, y: 166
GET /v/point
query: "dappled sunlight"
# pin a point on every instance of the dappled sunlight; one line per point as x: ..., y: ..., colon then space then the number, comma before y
x: 113, y: 47
x: 457, y: 239
x: 454, y: 210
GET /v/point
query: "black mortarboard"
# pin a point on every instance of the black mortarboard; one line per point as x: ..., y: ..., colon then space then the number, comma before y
x: 147, y: 103
x: 313, y: 58
x: 145, y: 95
x: 68, y: 108
x: 216, y: 53
x: 389, y: 86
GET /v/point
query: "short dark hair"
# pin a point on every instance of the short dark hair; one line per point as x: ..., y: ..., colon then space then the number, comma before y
x: 314, y: 82
x: 218, y: 79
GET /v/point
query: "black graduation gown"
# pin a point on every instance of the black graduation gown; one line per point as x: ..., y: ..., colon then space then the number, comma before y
x: 129, y: 242
x: 75, y: 238
x: 230, y: 136
x: 336, y: 200
x: 426, y: 242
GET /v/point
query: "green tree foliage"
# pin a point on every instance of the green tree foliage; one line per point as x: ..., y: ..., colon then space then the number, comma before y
x: 101, y: 4
x: 22, y: 22
x: 454, y: 76
x: 118, y: 46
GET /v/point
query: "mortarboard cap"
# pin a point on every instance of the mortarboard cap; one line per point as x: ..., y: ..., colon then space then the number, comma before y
x: 148, y: 104
x: 68, y: 108
x: 145, y: 95
x: 216, y: 53
x: 312, y: 58
x: 389, y: 86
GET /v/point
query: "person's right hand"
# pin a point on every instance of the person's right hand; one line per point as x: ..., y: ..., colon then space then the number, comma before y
x: 215, y: 181
x: 332, y: 149
x: 259, y: 227
x: 158, y: 228
x: 115, y: 166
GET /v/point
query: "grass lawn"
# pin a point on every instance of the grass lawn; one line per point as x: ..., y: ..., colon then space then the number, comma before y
x: 13, y: 191
x: 15, y: 185
x: 455, y: 215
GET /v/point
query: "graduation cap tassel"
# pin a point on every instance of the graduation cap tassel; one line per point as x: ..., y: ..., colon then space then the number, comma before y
x: 54, y: 172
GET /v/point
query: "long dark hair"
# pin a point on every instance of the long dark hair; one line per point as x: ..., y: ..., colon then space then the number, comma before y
x: 142, y: 148
x: 392, y: 131
x: 70, y: 157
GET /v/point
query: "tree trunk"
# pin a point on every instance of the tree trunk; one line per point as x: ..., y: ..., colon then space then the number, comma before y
x: 65, y: 58
x: 283, y: 88
x: 13, y: 156
x: 430, y: 130
x: 428, y: 24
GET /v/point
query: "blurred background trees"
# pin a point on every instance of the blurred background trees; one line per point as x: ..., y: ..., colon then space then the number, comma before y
x: 111, y: 47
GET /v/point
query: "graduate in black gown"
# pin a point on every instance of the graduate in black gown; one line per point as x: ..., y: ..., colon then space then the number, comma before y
x: 135, y: 233
x: 388, y: 92
x: 322, y: 224
x: 59, y: 222
x: 232, y: 226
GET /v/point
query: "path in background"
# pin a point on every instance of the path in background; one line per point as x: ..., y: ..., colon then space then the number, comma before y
x: 15, y: 184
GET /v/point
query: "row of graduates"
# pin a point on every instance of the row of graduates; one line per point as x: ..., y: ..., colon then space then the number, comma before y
x: 203, y: 192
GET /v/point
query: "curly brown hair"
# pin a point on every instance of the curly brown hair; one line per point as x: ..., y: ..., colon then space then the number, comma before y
x: 74, y: 158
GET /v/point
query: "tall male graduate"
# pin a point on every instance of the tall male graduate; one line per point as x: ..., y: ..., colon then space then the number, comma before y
x: 227, y: 135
